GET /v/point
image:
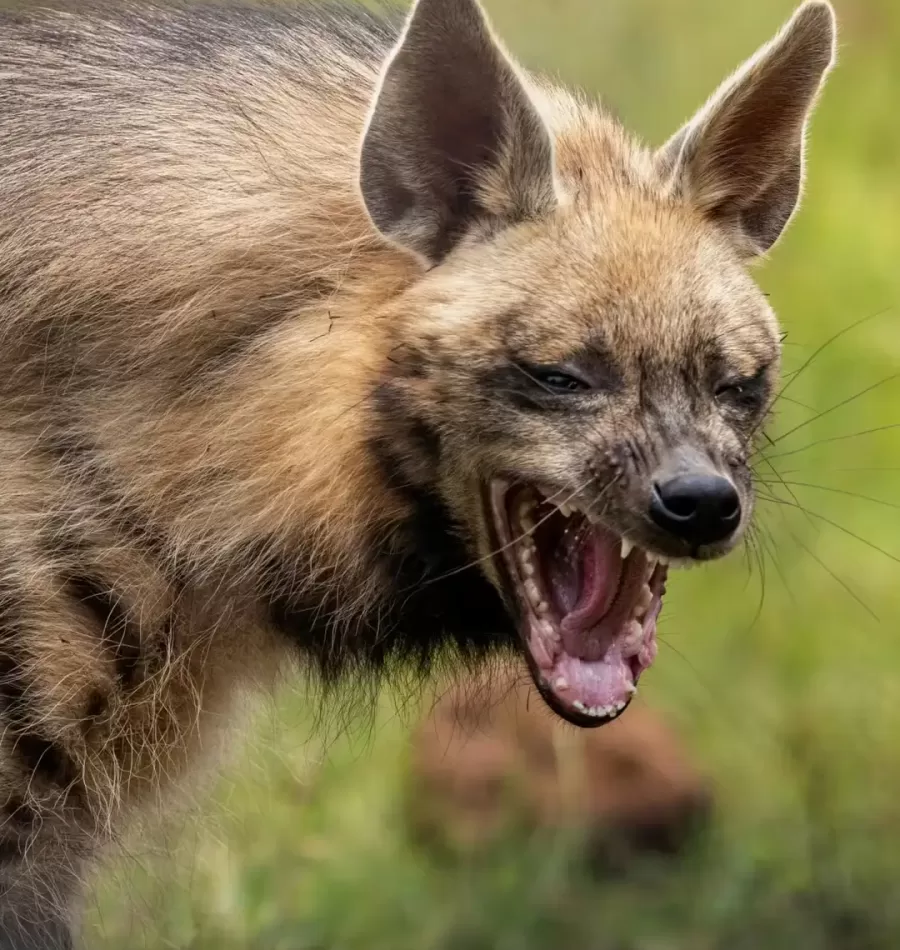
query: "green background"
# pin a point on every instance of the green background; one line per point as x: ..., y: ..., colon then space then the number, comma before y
x: 784, y: 681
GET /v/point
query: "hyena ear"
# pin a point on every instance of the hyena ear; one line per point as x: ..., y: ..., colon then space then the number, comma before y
x: 453, y: 137
x: 741, y: 158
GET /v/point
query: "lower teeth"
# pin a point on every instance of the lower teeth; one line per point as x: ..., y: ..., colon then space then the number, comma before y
x: 600, y: 712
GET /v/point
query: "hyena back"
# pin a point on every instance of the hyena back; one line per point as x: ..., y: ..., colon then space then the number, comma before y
x: 308, y: 316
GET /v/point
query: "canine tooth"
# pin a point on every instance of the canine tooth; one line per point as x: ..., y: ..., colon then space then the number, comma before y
x: 627, y: 547
x: 634, y: 637
x: 645, y: 600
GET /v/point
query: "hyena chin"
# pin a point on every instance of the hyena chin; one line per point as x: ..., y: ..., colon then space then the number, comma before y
x: 346, y: 340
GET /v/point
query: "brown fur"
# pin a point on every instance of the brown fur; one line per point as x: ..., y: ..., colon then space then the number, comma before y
x: 240, y: 426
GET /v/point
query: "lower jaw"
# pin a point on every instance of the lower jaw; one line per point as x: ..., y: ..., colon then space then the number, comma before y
x: 591, y: 692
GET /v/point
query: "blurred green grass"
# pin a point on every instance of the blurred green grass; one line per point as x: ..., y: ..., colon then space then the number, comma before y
x: 785, y: 684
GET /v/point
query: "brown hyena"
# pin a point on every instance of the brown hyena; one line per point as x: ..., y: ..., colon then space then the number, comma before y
x: 343, y: 341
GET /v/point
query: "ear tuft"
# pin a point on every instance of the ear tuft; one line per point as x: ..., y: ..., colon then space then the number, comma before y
x: 741, y: 159
x: 453, y: 136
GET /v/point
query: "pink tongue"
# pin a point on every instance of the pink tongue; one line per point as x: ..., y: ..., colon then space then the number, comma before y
x: 601, y: 572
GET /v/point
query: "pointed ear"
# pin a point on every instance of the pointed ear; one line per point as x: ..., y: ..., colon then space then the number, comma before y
x: 741, y: 159
x: 453, y: 137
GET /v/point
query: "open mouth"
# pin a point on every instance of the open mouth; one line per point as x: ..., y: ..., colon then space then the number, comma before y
x: 588, y: 601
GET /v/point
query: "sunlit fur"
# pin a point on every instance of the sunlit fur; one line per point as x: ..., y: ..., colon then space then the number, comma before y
x: 240, y: 427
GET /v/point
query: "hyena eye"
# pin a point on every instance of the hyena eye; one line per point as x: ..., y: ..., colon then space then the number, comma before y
x: 748, y: 393
x: 557, y: 381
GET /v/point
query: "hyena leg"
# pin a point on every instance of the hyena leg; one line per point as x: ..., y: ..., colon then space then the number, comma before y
x: 50, y: 934
x: 46, y: 845
x: 36, y: 901
x: 29, y: 927
x: 79, y: 654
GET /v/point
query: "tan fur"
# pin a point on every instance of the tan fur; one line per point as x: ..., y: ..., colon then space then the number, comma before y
x: 196, y: 313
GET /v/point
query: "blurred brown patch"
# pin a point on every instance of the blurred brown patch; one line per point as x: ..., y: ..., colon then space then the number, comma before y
x: 489, y: 758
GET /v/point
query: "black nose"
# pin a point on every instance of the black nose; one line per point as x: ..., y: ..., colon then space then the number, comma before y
x: 697, y: 508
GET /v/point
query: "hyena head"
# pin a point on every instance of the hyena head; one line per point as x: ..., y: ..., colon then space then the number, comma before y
x: 582, y: 370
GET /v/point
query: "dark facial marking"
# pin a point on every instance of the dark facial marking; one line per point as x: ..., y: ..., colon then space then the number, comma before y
x: 409, y: 449
x: 96, y: 707
x: 745, y: 397
x: 39, y: 756
x: 120, y: 635
x: 19, y: 813
x: 437, y: 597
x: 560, y: 385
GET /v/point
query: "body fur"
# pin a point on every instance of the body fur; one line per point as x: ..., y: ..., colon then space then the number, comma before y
x: 218, y: 384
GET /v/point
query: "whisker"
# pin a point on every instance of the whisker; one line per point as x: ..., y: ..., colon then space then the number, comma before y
x: 825, y: 441
x: 836, y: 491
x: 784, y: 483
x: 835, y: 407
x: 762, y: 590
x: 833, y: 524
x: 794, y: 402
x: 835, y: 576
x: 772, y: 551
x: 824, y: 346
x: 863, y: 468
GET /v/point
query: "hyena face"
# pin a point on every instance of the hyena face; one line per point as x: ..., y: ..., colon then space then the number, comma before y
x: 583, y: 369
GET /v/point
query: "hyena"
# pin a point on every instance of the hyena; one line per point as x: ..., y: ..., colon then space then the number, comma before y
x: 340, y: 340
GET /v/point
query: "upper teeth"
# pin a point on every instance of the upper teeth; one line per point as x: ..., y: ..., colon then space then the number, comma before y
x: 526, y: 553
x: 627, y: 547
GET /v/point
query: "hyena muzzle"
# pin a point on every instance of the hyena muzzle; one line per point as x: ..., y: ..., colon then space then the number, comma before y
x: 341, y: 341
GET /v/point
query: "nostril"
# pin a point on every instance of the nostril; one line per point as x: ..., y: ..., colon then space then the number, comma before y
x: 680, y: 504
x: 730, y: 507
x: 700, y: 508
